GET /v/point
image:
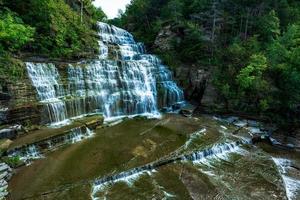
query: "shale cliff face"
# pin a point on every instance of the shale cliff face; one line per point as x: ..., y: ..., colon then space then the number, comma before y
x: 18, y: 102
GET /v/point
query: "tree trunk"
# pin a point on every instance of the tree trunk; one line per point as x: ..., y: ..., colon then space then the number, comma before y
x: 247, y: 23
x: 147, y: 20
x: 214, y: 23
x: 81, y: 11
x: 241, y: 26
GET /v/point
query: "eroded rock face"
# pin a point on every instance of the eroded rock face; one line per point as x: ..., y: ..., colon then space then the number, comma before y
x: 164, y: 39
x: 18, y: 103
x: 195, y: 80
x: 5, y: 175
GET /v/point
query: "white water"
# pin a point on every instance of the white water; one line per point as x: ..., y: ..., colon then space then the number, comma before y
x: 292, y: 185
x: 78, y: 135
x: 193, y: 137
x: 32, y: 152
x: 219, y: 151
x: 27, y: 154
x: 128, y: 179
x: 124, y: 81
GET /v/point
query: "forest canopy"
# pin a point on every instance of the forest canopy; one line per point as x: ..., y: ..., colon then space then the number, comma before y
x: 251, y: 47
x: 53, y: 28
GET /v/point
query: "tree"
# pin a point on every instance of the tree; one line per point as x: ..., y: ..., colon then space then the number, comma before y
x: 13, y: 33
x: 251, y: 76
x: 284, y: 55
x: 253, y: 86
x: 269, y: 27
x: 173, y: 10
x: 61, y: 30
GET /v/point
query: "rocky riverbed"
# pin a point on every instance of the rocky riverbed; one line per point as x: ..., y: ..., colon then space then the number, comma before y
x: 174, y: 157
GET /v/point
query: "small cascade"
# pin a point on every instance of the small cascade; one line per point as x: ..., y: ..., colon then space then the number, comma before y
x: 124, y: 81
x: 78, y: 135
x: 292, y: 185
x: 35, y: 151
x: 31, y: 153
x: 218, y: 151
x: 114, y: 35
x: 103, y: 49
x: 128, y: 177
x: 193, y: 137
x: 27, y: 154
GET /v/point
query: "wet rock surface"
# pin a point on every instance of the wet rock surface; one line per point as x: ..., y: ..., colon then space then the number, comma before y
x: 42, y: 138
x: 5, y: 176
x: 22, y: 105
x: 150, y: 161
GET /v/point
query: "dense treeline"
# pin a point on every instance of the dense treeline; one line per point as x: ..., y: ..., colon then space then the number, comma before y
x: 64, y: 29
x: 54, y: 28
x: 252, y: 47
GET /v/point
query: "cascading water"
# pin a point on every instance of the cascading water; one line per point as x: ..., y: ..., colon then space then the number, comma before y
x: 123, y: 81
x: 46, y: 80
x: 217, y: 151
x: 27, y: 154
x: 292, y: 185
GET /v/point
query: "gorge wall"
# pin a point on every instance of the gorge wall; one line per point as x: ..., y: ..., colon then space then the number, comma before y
x: 194, y: 79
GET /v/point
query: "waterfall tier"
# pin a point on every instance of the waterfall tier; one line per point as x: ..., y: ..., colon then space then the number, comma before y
x: 122, y: 81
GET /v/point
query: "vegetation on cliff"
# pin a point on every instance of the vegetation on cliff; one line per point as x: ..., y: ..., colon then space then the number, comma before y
x: 53, y: 28
x: 251, y: 47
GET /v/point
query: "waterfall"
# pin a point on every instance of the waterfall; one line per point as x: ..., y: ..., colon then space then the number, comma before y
x: 292, y: 185
x: 78, y: 135
x: 123, y: 81
x: 46, y: 80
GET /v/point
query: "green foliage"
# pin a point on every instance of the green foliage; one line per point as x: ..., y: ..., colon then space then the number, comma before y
x: 12, y: 68
x: 168, y: 58
x: 269, y: 27
x: 13, y: 33
x: 251, y: 77
x: 173, y: 10
x: 13, y: 162
x: 192, y: 45
x: 284, y: 55
x: 63, y: 28
x: 251, y: 47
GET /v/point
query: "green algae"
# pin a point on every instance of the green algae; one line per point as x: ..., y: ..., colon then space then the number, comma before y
x: 45, y: 133
x: 68, y: 173
x: 110, y: 151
